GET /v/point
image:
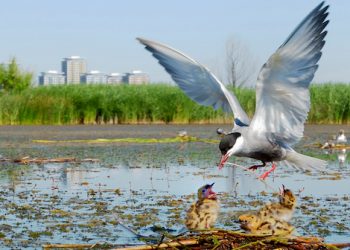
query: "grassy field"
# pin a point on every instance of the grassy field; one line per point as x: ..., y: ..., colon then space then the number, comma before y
x: 156, y: 103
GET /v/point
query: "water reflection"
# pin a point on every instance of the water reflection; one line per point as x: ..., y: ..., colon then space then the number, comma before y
x: 342, y: 157
x: 340, y: 154
x: 174, y: 179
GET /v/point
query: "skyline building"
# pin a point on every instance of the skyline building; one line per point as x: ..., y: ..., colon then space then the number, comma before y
x: 51, y: 77
x: 115, y: 78
x: 94, y: 76
x: 136, y: 77
x: 74, y: 71
x: 73, y: 67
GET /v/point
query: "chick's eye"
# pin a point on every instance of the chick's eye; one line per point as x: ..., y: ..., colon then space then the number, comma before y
x: 203, y: 190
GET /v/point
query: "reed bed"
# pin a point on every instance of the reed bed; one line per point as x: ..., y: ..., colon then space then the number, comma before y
x: 154, y: 103
x: 330, y: 103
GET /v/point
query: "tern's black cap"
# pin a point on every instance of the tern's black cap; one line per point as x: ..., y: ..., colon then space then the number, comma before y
x: 228, y: 141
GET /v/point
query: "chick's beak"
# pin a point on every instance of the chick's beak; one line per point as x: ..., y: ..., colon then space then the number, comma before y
x: 282, y: 189
x: 211, y: 193
x: 223, y: 160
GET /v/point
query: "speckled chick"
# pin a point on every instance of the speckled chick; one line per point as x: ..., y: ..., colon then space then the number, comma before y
x: 283, y: 210
x: 203, y: 214
x: 267, y: 226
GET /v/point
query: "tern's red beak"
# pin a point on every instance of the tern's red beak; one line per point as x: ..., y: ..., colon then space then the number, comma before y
x: 223, y: 160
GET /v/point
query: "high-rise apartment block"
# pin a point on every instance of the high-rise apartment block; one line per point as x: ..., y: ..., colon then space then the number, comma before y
x: 51, y: 77
x: 73, y: 67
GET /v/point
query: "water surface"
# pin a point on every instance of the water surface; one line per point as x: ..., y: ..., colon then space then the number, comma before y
x: 142, y: 185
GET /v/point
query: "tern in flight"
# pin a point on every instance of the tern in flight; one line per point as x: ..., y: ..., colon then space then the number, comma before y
x: 282, y: 95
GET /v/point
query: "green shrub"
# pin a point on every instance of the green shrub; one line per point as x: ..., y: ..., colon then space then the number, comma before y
x: 12, y: 78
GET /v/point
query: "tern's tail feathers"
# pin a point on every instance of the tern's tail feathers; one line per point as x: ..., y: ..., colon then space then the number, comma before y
x: 304, y: 162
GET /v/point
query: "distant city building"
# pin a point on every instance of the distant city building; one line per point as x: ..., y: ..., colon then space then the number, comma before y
x: 136, y: 77
x: 94, y: 76
x: 114, y: 78
x: 74, y: 72
x: 51, y: 77
x: 73, y: 67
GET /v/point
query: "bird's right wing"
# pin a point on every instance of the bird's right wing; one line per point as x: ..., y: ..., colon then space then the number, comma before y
x: 196, y: 81
x: 282, y: 90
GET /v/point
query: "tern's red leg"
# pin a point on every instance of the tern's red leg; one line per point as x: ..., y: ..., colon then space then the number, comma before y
x: 264, y: 175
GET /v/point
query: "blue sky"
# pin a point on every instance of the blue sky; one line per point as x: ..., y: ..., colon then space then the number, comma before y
x: 40, y: 33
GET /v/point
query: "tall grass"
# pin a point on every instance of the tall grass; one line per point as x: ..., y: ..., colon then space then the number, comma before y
x: 330, y: 103
x: 156, y: 103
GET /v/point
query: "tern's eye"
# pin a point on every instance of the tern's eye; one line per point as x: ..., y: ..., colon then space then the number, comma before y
x: 203, y: 190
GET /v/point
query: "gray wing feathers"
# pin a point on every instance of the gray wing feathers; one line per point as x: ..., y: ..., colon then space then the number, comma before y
x: 195, y: 80
x: 283, y: 98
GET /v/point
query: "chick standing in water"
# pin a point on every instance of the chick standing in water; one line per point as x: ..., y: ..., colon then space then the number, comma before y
x: 203, y: 213
x: 272, y: 218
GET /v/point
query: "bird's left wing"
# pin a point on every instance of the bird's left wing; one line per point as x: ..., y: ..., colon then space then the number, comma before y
x: 196, y: 81
x: 282, y: 91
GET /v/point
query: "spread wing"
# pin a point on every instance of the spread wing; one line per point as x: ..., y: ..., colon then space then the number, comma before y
x: 282, y: 92
x: 196, y: 81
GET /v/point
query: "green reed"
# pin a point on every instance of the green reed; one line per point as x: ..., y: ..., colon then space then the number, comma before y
x: 154, y: 103
x: 330, y: 103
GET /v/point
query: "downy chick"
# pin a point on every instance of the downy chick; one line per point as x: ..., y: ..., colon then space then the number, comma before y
x: 267, y: 225
x: 284, y: 209
x: 272, y: 218
x: 203, y: 213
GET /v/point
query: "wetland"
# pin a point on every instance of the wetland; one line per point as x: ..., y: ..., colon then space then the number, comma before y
x: 147, y: 185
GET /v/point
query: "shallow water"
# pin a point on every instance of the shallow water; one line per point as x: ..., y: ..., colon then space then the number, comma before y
x: 142, y: 185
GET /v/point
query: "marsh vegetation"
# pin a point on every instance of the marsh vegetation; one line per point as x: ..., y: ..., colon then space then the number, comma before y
x: 155, y: 103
